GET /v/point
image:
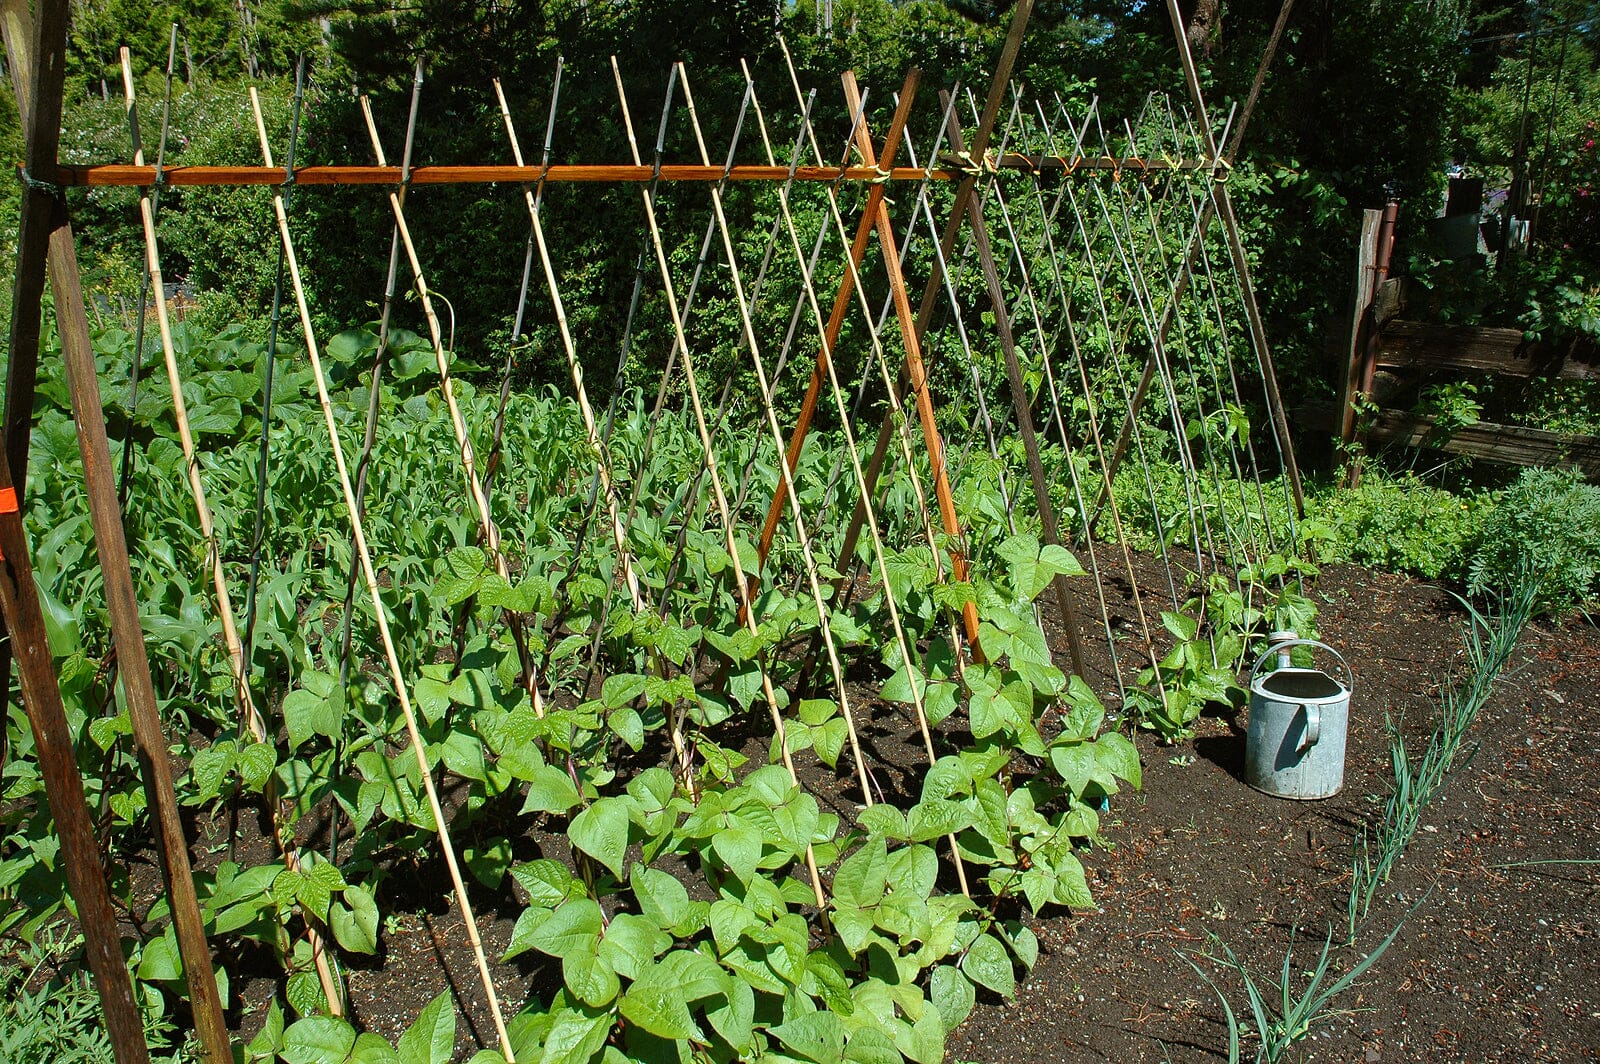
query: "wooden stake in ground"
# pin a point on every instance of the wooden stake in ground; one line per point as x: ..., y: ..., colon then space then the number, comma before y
x: 39, y: 103
x: 380, y: 616
x: 63, y: 786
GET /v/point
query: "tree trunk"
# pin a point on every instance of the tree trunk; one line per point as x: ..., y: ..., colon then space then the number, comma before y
x: 1205, y: 27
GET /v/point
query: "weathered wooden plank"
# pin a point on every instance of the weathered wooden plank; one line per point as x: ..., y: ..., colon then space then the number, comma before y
x: 1505, y: 352
x: 1508, y: 444
x: 1360, y: 300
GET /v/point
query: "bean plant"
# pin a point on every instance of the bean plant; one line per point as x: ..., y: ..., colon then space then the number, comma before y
x: 683, y: 920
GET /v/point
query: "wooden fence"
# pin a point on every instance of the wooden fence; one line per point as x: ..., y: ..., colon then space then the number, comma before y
x: 1379, y: 339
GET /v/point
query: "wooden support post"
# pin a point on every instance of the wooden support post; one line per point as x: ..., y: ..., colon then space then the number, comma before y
x: 1364, y: 289
x: 915, y: 371
x: 33, y: 232
x: 40, y: 108
x: 1364, y: 353
x: 58, y: 764
x: 947, y: 243
x: 841, y: 306
x: 1020, y: 403
x: 1241, y: 267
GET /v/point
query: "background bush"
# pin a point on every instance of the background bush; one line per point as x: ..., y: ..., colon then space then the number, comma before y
x: 1549, y: 519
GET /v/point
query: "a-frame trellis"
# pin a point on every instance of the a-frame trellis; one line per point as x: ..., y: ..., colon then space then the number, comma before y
x: 1104, y: 278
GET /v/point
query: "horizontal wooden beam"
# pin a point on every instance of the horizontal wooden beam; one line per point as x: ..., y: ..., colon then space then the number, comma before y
x: 1509, y: 444
x: 1476, y: 349
x: 117, y: 174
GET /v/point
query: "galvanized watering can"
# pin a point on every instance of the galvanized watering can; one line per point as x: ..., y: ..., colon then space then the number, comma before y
x: 1299, y: 719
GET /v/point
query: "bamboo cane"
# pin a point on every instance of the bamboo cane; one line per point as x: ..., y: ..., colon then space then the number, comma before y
x: 1070, y: 328
x: 779, y: 729
x: 251, y: 720
x: 591, y: 431
x: 786, y: 473
x: 1019, y: 258
x: 396, y: 674
x: 1021, y: 408
x: 480, y: 500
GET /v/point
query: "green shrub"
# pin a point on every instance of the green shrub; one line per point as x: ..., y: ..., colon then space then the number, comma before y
x: 1548, y: 519
x: 56, y: 1019
x: 1402, y: 525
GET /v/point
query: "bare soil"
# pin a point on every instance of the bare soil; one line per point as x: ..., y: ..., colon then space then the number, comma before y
x: 1499, y: 957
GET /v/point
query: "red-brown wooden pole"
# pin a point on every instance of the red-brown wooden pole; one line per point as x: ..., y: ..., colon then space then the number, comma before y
x: 916, y: 372
x: 947, y: 243
x: 841, y: 306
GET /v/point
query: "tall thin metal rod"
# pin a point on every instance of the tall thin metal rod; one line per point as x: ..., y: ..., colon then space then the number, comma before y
x: 1241, y: 266
x: 369, y: 437
x: 268, y: 372
x: 492, y: 465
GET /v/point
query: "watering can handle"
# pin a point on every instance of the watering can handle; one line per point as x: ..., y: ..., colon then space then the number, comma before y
x: 1313, y: 726
x: 1272, y: 651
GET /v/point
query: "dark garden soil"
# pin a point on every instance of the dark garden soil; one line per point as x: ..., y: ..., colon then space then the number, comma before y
x: 1499, y: 958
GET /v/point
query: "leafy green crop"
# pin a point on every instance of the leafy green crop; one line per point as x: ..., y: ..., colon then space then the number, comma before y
x: 680, y: 925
